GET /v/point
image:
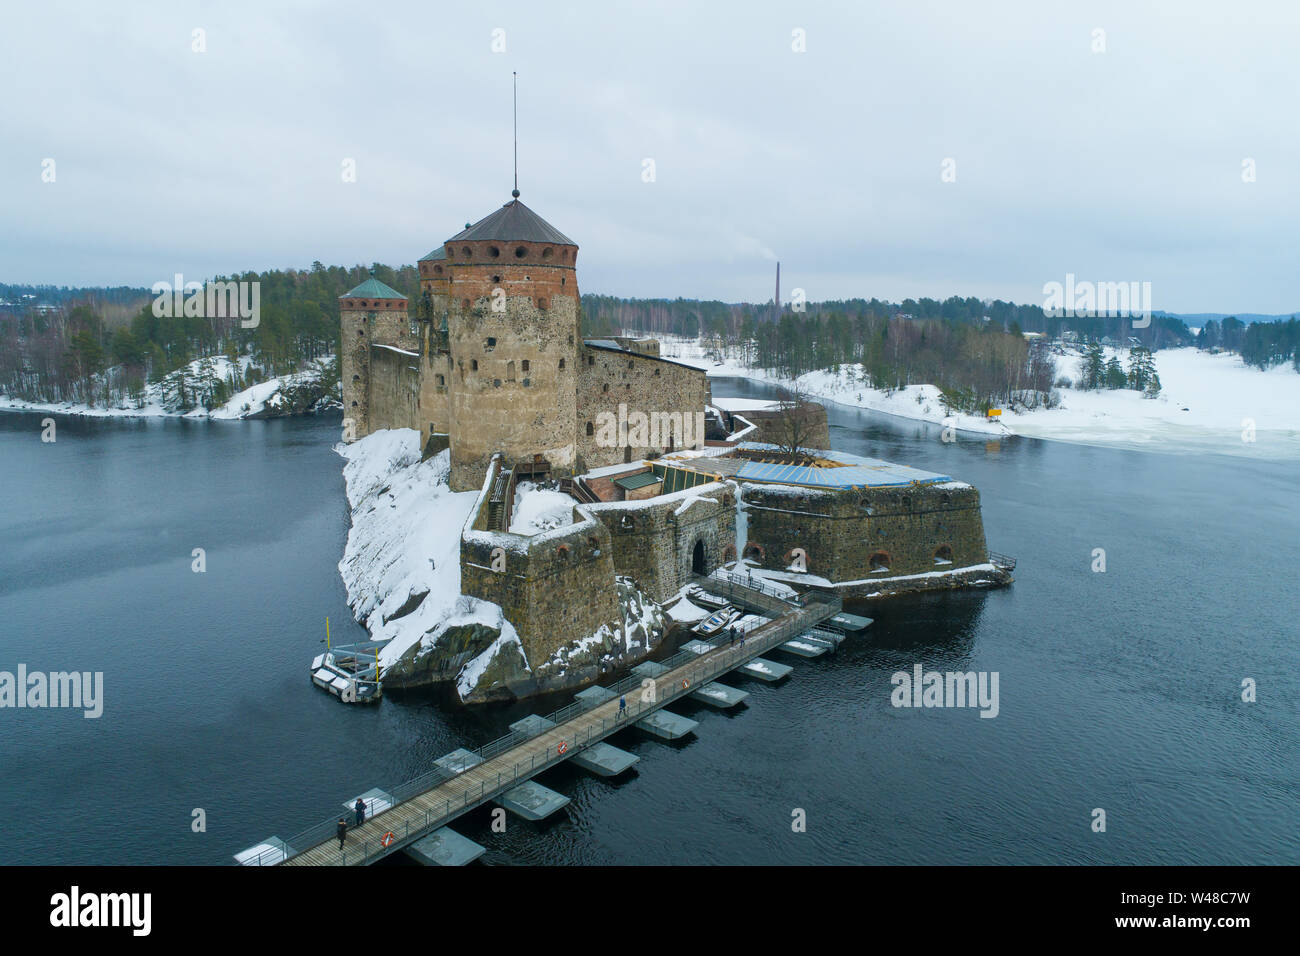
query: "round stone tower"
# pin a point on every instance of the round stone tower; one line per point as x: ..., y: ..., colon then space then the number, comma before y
x: 512, y: 328
x: 372, y: 313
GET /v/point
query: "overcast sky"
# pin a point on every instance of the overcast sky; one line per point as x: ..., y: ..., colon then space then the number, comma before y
x: 1122, y: 165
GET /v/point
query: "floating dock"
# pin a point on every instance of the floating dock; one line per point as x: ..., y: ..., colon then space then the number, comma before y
x: 648, y: 669
x: 847, y: 623
x: 458, y: 761
x: 604, y: 760
x: 719, y: 695
x: 445, y: 847
x: 832, y: 639
x: 532, y: 801
x: 766, y: 670
x: 376, y: 801
x: 269, y: 852
x: 667, y: 726
x: 532, y: 725
x: 803, y: 647
x: 350, y: 672
x: 593, y: 696
x: 464, y: 780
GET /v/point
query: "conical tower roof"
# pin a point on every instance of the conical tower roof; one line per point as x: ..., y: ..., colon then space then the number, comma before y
x: 372, y: 288
x: 514, y: 222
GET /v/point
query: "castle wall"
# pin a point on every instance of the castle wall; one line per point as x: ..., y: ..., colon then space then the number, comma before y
x: 642, y: 383
x: 841, y: 531
x: 435, y: 388
x: 394, y: 393
x: 553, y: 587
x: 654, y: 541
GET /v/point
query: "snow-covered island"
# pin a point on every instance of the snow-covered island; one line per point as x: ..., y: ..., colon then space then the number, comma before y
x: 180, y: 394
x: 1210, y: 403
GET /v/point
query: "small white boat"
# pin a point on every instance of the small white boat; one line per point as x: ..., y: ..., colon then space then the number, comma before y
x: 715, y: 622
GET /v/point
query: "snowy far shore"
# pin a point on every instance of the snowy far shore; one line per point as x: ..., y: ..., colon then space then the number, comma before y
x: 1209, y: 404
x: 268, y: 399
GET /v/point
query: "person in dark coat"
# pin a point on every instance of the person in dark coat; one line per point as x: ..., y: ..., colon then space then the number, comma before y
x: 360, y: 809
x: 342, y: 831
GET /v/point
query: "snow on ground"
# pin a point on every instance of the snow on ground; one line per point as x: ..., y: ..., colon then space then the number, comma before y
x: 685, y: 611
x: 843, y: 387
x: 1207, y: 404
x: 405, y: 540
x: 266, y: 396
x: 155, y: 401
x: 538, y: 509
x: 470, y: 674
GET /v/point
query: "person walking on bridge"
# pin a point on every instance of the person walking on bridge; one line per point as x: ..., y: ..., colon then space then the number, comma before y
x: 622, y: 706
x: 342, y: 831
x: 360, y: 811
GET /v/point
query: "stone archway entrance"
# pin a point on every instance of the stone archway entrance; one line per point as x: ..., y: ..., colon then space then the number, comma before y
x: 699, y: 562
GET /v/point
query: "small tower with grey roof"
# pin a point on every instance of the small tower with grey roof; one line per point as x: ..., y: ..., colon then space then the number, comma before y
x: 371, y: 313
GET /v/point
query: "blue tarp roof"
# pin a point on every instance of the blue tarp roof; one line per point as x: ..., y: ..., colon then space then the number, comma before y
x: 855, y: 472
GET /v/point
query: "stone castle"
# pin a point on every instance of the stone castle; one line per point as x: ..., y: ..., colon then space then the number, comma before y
x: 491, y: 367
x: 492, y: 360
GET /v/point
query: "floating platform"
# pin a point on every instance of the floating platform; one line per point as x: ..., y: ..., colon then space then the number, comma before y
x: 458, y: 761
x: 376, y: 801
x: 532, y: 801
x: 831, y: 639
x: 343, y: 673
x: 705, y: 599
x: 847, y: 623
x: 269, y: 852
x: 593, y: 696
x: 765, y: 669
x: 667, y: 726
x: 532, y: 725
x: 445, y: 847
x: 604, y: 759
x: 698, y: 647
x: 719, y: 695
x: 648, y: 669
x: 804, y: 648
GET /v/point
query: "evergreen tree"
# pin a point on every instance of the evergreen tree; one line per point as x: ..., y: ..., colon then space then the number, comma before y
x: 1094, y: 367
x: 1115, y: 377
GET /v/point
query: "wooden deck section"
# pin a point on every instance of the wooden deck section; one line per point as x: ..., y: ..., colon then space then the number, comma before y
x: 425, y: 812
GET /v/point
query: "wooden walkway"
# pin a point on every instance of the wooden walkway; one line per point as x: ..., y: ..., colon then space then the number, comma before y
x: 412, y: 818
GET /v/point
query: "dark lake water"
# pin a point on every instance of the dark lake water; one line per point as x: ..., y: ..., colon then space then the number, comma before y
x: 1118, y: 691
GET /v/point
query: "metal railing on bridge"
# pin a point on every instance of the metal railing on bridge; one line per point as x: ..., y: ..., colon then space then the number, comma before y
x: 732, y: 584
x: 756, y: 642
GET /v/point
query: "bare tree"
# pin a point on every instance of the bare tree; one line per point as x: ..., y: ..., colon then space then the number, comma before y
x: 794, y: 425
